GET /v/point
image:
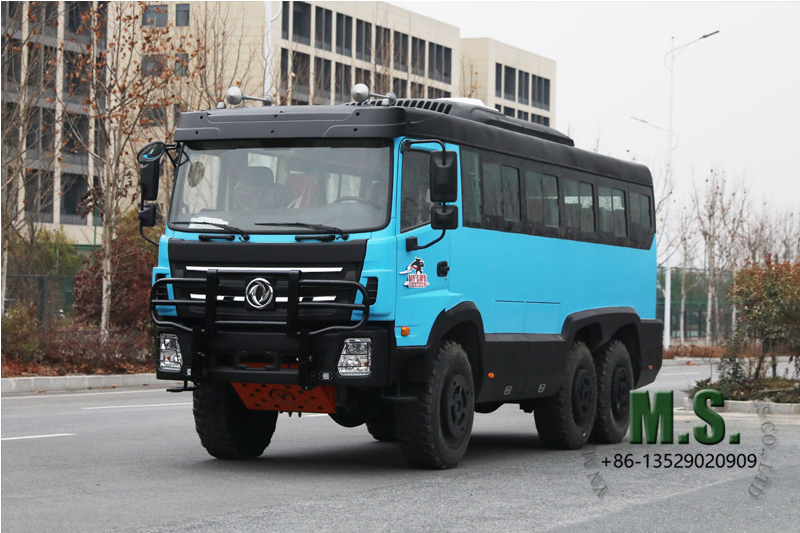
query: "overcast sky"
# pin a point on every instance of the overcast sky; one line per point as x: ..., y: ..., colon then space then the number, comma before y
x: 737, y: 93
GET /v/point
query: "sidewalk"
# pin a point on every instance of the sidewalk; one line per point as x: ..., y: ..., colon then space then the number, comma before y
x: 700, y: 361
x: 67, y: 383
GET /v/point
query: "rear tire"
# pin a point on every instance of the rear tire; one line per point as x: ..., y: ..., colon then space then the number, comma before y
x: 381, y: 426
x: 565, y: 421
x: 434, y: 431
x: 227, y: 429
x: 614, y: 383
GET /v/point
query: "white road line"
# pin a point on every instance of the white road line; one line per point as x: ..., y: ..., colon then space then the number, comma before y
x: 133, y: 406
x: 78, y: 395
x: 315, y: 414
x: 40, y: 436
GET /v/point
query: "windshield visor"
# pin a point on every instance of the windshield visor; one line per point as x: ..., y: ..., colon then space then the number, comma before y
x: 344, y: 184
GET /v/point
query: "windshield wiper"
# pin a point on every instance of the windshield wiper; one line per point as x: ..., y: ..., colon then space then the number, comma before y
x: 244, y: 234
x: 320, y: 227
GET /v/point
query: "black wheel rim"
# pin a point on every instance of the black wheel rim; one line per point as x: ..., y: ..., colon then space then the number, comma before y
x: 620, y: 393
x: 581, y: 396
x: 455, y: 405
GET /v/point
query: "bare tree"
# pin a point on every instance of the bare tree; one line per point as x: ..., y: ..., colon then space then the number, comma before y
x: 469, y: 78
x: 117, y: 80
x: 29, y: 58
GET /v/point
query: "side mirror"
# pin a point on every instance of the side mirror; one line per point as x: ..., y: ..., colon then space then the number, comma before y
x: 444, y: 177
x: 147, y: 216
x: 153, y: 151
x: 148, y: 180
x: 444, y: 216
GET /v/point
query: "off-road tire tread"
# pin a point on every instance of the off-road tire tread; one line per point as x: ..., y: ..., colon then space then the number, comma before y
x: 382, y: 427
x: 414, y: 423
x: 602, y: 432
x: 214, y: 421
x: 551, y: 414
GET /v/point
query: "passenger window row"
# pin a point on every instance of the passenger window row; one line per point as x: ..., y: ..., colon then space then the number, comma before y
x: 509, y: 194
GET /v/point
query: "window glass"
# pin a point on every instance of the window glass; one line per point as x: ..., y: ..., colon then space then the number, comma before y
x: 511, y: 200
x: 415, y: 201
x: 182, y: 15
x: 612, y: 211
x: 301, y: 23
x: 155, y: 16
x: 645, y: 212
x: 550, y: 190
x: 492, y: 190
x: 534, y: 197
x: 578, y: 206
x: 636, y: 209
x: 587, y: 210
x: 471, y: 186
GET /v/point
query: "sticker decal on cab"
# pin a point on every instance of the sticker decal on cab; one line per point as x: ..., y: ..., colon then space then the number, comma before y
x: 416, y: 279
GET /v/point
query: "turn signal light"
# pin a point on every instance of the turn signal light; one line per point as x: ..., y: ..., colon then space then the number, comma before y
x: 405, y: 331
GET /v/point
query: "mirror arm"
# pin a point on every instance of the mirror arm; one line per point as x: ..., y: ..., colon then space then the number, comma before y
x: 406, y: 145
x: 411, y: 242
x: 141, y: 232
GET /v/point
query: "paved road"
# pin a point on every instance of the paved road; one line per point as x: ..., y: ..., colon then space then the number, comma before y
x: 129, y: 460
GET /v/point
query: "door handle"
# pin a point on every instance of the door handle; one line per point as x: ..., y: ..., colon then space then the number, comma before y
x: 442, y: 269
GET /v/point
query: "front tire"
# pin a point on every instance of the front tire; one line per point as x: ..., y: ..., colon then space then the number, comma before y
x: 434, y: 431
x: 565, y: 421
x: 227, y: 429
x: 614, y: 384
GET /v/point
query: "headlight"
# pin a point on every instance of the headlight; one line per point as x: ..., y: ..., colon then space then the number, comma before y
x: 356, y: 358
x: 169, y: 359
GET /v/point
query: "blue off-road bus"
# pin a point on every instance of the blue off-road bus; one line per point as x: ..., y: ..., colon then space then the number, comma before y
x: 403, y: 264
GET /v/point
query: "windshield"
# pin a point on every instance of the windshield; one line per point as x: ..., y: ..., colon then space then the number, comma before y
x: 261, y: 186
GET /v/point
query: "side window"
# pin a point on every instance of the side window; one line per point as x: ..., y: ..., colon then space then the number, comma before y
x: 415, y: 200
x: 550, y: 200
x: 471, y: 187
x: 578, y: 206
x: 534, y: 198
x: 612, y: 211
x: 492, y: 190
x: 511, y: 200
x: 640, y: 210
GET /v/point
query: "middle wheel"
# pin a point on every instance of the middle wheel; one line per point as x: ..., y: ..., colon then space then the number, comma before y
x: 434, y: 432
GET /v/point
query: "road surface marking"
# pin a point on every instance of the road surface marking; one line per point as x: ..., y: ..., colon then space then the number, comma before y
x: 316, y: 414
x: 40, y: 436
x: 77, y: 394
x: 133, y: 406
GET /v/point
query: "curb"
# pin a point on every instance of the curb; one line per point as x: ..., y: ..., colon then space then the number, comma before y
x: 67, y: 383
x: 692, y: 361
x: 733, y: 406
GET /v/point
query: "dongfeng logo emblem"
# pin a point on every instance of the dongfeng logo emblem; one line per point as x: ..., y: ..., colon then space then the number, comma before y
x: 259, y: 293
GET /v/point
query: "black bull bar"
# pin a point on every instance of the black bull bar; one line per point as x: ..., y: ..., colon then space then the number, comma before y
x: 291, y: 326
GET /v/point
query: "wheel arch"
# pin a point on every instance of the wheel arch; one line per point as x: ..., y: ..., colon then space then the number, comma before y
x: 462, y: 324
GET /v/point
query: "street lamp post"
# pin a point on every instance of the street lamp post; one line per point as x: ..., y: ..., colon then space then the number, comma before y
x: 667, y: 229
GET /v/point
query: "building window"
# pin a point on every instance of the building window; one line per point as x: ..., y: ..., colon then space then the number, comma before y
x: 524, y: 88
x: 383, y: 83
x: 73, y: 189
x: 400, y: 51
x: 546, y: 121
x: 509, y: 112
x: 323, y: 34
x: 439, y: 60
x: 522, y: 115
x: 498, y: 80
x: 383, y: 45
x: 509, y: 92
x: 39, y: 196
x: 154, y: 16
x: 322, y: 81
x: 399, y: 87
x: 182, y: 15
x: 301, y: 22
x: 283, y: 91
x: 182, y: 65
x: 75, y: 65
x: 344, y: 35
x: 285, y: 20
x: 498, y: 107
x: 301, y: 75
x: 417, y: 56
x: 343, y: 83
x: 433, y: 92
x: 363, y: 40
x: 154, y: 115
x: 364, y: 76
x: 541, y: 93
x: 417, y: 90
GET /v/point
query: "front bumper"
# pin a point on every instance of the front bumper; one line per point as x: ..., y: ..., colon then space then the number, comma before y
x: 275, y: 358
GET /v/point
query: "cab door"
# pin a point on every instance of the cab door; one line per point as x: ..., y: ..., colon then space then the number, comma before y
x: 422, y: 275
